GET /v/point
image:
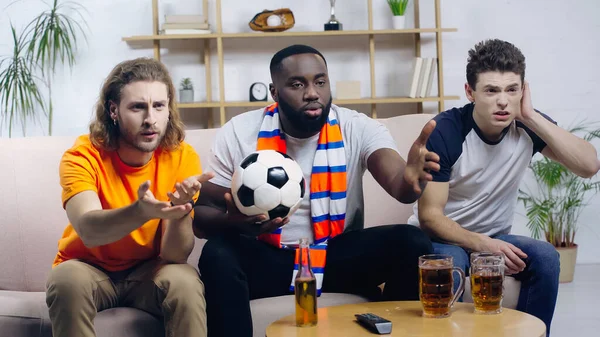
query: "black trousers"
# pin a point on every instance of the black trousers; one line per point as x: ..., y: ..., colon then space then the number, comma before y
x: 236, y: 269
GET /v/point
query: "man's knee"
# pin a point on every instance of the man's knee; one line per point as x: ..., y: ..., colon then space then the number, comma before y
x: 183, y: 293
x: 217, y: 257
x: 420, y: 240
x: 70, y: 281
x: 545, y: 256
x: 180, y: 279
x: 413, y: 237
x: 69, y: 275
x: 459, y: 255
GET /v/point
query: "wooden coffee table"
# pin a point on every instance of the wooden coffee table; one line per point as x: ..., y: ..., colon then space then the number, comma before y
x: 407, y: 320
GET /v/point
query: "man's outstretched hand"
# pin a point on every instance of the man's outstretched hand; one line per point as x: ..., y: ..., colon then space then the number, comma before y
x: 185, y: 191
x: 421, y: 161
x: 152, y: 208
x: 178, y: 207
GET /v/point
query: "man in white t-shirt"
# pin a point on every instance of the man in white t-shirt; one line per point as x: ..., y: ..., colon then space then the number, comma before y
x: 243, y: 260
x: 485, y: 148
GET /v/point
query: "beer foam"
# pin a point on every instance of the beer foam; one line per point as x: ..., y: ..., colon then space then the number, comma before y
x: 436, y: 264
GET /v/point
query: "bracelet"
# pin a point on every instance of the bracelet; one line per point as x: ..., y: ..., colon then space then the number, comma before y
x: 191, y: 202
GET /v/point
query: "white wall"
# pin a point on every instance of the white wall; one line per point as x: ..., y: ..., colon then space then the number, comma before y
x: 561, y: 44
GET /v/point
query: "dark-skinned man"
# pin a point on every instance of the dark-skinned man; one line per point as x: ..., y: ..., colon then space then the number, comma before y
x: 246, y: 258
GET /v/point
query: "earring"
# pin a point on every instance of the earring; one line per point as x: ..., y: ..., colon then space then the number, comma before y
x: 114, y: 121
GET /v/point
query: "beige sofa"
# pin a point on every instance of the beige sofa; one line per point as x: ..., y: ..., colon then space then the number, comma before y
x: 32, y: 221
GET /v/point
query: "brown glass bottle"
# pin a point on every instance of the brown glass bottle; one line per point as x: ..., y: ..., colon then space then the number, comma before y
x: 305, y: 287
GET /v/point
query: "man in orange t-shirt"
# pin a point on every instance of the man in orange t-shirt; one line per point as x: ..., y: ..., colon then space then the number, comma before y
x: 128, y: 190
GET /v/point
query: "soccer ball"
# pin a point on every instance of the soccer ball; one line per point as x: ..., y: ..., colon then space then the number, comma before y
x: 268, y: 182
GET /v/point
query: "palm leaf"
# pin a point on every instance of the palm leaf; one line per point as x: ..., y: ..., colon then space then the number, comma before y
x: 594, y: 134
x: 555, y: 208
x: 20, y: 95
x: 49, y: 39
x: 54, y: 39
x: 549, y: 172
x: 10, y: 4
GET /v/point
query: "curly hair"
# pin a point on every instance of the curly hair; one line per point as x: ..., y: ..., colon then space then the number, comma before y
x: 103, y: 133
x: 494, y: 55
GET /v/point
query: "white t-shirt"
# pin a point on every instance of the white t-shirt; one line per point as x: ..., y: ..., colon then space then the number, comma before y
x: 483, y: 176
x: 361, y: 134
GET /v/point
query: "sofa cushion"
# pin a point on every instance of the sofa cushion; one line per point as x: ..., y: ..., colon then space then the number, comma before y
x: 31, y: 163
x: 26, y: 314
x: 32, y: 223
x: 380, y: 207
x: 23, y: 304
x: 128, y: 322
x: 267, y: 310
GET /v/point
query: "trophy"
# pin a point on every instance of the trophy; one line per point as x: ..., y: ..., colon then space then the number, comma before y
x: 333, y: 23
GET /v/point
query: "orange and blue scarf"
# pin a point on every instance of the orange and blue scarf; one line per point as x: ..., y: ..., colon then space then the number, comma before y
x: 327, y: 187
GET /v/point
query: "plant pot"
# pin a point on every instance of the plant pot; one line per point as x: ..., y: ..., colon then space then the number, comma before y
x: 186, y: 96
x: 568, y: 257
x: 399, y: 21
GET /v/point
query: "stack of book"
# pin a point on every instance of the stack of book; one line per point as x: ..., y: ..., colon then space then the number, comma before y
x: 422, y: 79
x: 185, y: 24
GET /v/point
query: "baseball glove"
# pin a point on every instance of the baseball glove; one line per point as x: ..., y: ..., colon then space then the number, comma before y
x: 259, y: 21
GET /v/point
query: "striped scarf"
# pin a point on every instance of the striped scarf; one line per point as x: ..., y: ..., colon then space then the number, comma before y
x: 327, y: 187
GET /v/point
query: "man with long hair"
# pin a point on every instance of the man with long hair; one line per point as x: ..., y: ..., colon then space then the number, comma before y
x: 128, y: 190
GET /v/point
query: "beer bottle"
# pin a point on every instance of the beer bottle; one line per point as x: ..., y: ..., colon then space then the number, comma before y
x: 305, y: 287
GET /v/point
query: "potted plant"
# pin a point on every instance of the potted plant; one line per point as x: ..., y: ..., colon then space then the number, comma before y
x: 50, y: 38
x: 20, y: 92
x: 554, y: 210
x: 398, y: 8
x: 186, y: 91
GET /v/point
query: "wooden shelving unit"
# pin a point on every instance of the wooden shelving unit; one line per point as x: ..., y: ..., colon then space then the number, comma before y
x: 219, y: 36
x: 289, y: 34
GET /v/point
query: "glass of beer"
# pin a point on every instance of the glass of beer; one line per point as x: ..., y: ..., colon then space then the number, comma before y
x: 436, y: 284
x: 487, y: 275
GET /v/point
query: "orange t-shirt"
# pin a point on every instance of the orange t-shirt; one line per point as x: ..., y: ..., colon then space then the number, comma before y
x: 85, y: 167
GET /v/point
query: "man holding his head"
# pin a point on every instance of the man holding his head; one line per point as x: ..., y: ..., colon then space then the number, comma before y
x: 485, y: 148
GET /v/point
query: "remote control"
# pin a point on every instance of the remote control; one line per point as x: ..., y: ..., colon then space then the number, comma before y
x: 374, y: 323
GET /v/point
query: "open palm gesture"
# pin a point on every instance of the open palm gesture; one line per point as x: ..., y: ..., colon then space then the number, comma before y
x: 185, y: 191
x: 421, y: 161
x: 156, y: 209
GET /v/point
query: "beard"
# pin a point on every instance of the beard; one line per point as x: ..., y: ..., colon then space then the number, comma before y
x: 302, y: 123
x: 135, y: 140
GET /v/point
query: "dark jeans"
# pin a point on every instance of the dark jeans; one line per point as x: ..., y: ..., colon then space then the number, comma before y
x: 539, y: 280
x: 236, y: 269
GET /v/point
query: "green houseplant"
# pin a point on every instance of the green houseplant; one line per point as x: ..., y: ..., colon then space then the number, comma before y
x: 553, y: 210
x: 398, y: 8
x: 186, y: 90
x: 53, y: 39
x: 20, y: 93
x: 49, y: 39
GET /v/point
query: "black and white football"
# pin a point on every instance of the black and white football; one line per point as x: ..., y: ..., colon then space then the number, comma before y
x: 268, y: 182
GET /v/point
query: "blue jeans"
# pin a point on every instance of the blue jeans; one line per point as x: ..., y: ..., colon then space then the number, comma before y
x: 539, y: 280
